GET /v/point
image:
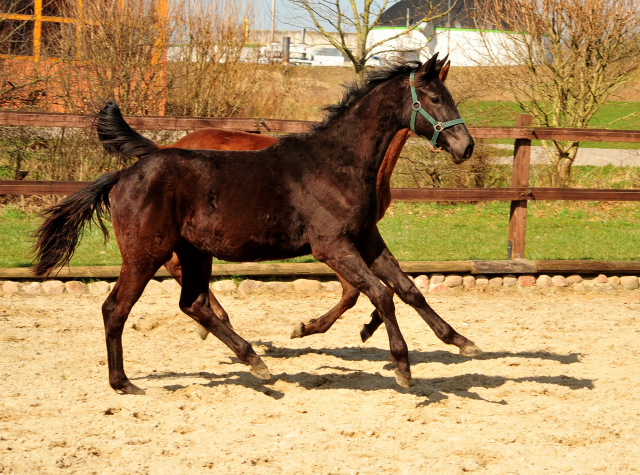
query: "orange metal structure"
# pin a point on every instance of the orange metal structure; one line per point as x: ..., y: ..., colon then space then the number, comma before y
x: 37, y: 21
x: 38, y: 18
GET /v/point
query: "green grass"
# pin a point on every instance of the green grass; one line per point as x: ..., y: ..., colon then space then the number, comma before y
x: 16, y: 228
x: 503, y: 114
x: 426, y: 231
x: 593, y: 231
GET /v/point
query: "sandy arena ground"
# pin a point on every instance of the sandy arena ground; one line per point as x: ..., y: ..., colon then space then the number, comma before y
x: 555, y: 392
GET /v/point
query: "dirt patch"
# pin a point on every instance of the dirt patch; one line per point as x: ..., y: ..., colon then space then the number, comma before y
x: 555, y: 392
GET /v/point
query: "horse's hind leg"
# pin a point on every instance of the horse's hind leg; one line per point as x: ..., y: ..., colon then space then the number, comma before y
x: 368, y: 329
x: 320, y: 325
x: 115, y: 311
x: 175, y: 270
x: 194, y: 301
x: 385, y: 267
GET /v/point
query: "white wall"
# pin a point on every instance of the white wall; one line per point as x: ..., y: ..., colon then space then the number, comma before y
x: 409, y: 46
x: 471, y: 47
x: 465, y: 47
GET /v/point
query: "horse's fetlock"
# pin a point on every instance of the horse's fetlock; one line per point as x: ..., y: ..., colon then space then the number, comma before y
x: 449, y: 336
x: 117, y: 381
x: 247, y: 354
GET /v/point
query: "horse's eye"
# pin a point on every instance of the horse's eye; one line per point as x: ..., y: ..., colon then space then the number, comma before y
x: 435, y: 100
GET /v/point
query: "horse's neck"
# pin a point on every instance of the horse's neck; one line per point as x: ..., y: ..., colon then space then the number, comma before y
x: 368, y: 127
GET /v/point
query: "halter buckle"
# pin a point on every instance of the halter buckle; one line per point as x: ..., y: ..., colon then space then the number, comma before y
x: 438, y: 126
x: 418, y: 104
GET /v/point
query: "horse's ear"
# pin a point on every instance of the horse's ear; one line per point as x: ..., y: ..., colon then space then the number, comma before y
x: 441, y: 62
x: 429, y: 68
x: 444, y: 71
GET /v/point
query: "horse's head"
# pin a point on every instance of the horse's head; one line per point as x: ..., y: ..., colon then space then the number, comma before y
x: 433, y: 114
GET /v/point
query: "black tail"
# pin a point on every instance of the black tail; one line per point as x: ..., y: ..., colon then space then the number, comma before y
x: 58, y: 236
x: 118, y: 138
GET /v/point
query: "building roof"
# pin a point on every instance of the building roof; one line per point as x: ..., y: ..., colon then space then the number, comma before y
x: 461, y: 16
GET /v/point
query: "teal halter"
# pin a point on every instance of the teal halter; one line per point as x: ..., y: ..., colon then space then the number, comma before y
x: 417, y: 107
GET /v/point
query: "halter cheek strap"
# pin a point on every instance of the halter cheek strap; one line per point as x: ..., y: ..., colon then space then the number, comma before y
x: 417, y: 107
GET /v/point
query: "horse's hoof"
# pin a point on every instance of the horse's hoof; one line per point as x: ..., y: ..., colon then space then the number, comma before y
x: 130, y: 388
x: 470, y: 350
x: 260, y: 371
x: 403, y: 380
x: 298, y: 331
x: 202, y: 331
x: 365, y: 334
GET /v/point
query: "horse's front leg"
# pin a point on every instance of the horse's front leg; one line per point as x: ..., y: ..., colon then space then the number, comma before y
x: 343, y: 257
x: 386, y: 268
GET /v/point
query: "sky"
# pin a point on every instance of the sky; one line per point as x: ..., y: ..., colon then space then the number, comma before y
x: 287, y: 16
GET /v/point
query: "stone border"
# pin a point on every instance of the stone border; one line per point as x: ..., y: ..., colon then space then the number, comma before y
x: 432, y: 284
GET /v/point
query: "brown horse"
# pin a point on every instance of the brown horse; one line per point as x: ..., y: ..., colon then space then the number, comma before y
x: 218, y: 139
x: 312, y: 193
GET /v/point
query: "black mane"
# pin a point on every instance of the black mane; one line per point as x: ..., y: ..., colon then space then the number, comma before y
x: 354, y: 91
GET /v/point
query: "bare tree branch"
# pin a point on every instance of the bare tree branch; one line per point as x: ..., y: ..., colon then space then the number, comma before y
x: 561, y: 59
x: 361, y: 22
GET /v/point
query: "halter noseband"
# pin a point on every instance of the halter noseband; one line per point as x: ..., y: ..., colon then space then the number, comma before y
x: 417, y: 107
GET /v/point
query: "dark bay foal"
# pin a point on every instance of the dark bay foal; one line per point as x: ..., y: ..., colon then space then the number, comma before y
x: 110, y: 119
x: 309, y: 193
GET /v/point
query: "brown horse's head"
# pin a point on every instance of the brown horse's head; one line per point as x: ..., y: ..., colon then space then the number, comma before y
x: 434, y: 113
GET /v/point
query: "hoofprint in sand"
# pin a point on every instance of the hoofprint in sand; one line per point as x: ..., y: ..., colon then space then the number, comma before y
x: 556, y: 390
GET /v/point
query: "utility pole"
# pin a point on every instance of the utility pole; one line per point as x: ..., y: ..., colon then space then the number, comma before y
x: 449, y: 28
x: 273, y: 25
x: 405, y: 40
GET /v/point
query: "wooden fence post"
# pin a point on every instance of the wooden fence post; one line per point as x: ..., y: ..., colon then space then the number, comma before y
x: 519, y: 178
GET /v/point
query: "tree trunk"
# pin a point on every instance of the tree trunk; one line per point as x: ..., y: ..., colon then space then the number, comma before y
x: 360, y: 71
x: 563, y: 162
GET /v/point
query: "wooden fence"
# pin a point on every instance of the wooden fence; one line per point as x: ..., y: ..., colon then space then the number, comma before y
x: 519, y: 193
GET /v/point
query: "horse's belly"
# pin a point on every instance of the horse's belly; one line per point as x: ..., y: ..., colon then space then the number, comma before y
x: 236, y: 244
x: 258, y: 252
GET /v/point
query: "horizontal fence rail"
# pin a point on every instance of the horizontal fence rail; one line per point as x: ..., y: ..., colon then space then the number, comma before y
x: 53, y: 119
x: 519, y: 194
x: 17, y: 187
x: 511, y: 194
x: 517, y: 266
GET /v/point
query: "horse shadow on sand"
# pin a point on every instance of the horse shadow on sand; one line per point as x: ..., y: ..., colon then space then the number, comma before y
x: 369, y: 353
x: 343, y: 377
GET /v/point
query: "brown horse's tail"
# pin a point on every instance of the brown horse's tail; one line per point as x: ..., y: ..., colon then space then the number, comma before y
x: 118, y: 138
x: 59, y: 235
